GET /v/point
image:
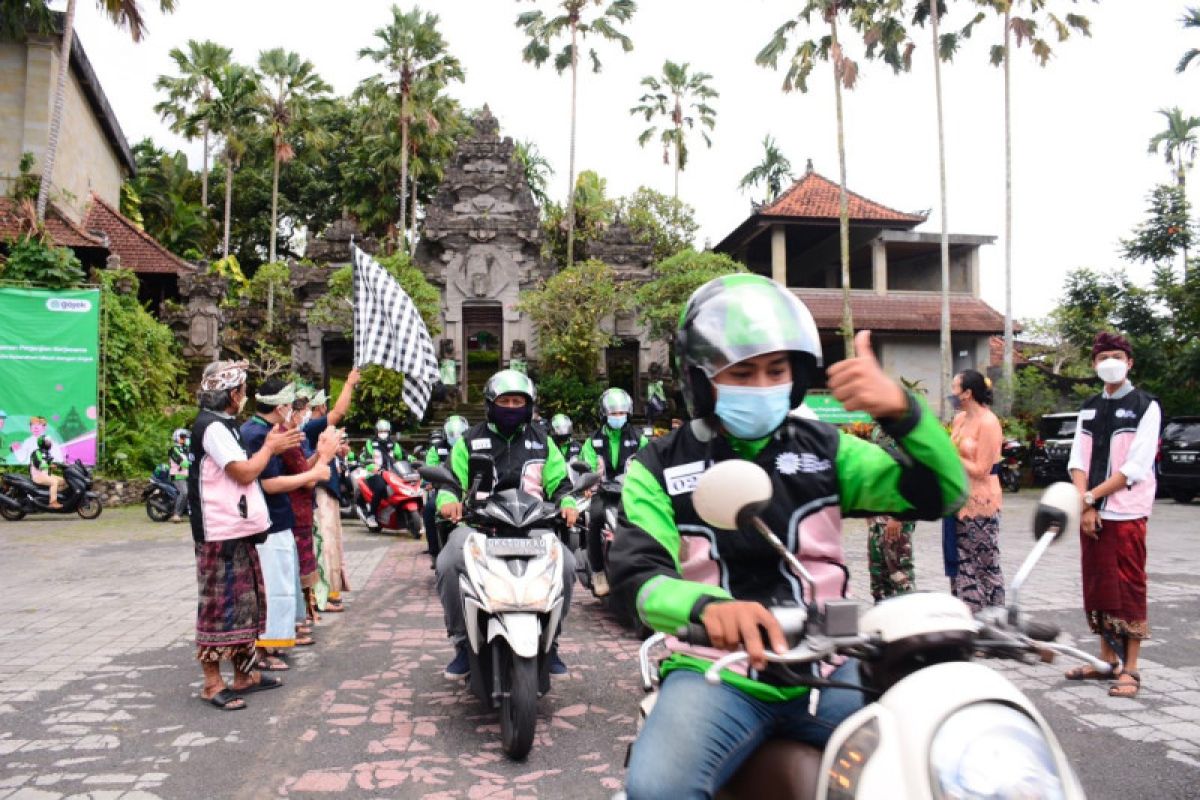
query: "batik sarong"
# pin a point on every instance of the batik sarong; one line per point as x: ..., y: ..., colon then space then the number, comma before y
x: 232, y: 608
x: 1114, y: 579
x: 979, y: 582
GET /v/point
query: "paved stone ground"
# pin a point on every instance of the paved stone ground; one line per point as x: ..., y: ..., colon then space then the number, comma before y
x: 98, y: 689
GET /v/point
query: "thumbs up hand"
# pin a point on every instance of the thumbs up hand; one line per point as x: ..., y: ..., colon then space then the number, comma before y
x: 860, y: 384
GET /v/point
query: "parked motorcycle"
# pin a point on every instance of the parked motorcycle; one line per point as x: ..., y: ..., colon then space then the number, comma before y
x: 1012, y: 463
x: 512, y: 593
x: 938, y: 724
x: 160, y: 495
x: 400, y: 507
x: 19, y: 495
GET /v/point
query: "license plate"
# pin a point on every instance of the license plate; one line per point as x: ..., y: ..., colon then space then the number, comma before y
x: 519, y: 548
x: 1184, y: 458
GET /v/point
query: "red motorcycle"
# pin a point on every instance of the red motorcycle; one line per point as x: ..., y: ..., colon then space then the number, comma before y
x: 402, y: 499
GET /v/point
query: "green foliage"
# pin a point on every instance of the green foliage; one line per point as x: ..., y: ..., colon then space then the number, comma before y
x: 230, y: 269
x: 661, y: 300
x: 26, y: 185
x: 134, y: 447
x: 666, y: 223
x: 1167, y: 231
x: 536, y: 168
x: 773, y: 171
x: 567, y: 312
x: 594, y: 212
x: 164, y: 199
x: 334, y: 309
x: 570, y: 395
x: 143, y: 376
x: 33, y: 260
x: 377, y: 396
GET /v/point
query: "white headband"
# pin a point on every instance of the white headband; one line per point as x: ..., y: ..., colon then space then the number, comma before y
x: 284, y: 397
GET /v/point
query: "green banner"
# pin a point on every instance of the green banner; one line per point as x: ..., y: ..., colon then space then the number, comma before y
x: 828, y: 409
x: 49, y: 357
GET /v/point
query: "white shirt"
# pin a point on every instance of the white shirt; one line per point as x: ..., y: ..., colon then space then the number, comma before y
x: 1139, y: 463
x: 221, y: 447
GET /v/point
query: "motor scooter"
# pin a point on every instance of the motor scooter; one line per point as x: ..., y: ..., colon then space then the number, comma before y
x: 19, y: 495
x: 1012, y: 461
x: 160, y: 495
x: 512, y: 593
x: 400, y: 507
x: 937, y: 724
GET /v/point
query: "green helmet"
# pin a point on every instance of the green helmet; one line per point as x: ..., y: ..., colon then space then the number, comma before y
x: 509, y: 381
x: 454, y: 428
x: 736, y: 317
x: 615, y: 401
x: 561, y: 425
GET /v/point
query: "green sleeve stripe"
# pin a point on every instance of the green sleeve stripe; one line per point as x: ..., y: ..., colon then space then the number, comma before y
x: 588, y: 454
x: 665, y: 603
x: 554, y: 472
x: 648, y: 507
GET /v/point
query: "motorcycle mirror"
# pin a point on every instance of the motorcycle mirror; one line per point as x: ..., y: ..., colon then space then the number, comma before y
x: 587, y: 480
x: 1057, y: 510
x: 439, y: 476
x: 730, y: 492
x: 579, y: 467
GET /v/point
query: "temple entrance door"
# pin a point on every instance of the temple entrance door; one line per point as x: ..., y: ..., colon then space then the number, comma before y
x: 621, y: 364
x: 483, y: 344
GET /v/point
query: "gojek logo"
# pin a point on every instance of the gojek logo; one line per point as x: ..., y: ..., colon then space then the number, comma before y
x: 69, y: 305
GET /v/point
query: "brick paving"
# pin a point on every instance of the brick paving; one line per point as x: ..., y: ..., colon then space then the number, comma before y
x: 98, y: 686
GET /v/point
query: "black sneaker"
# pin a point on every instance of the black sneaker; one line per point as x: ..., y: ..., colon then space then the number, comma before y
x: 557, y: 667
x: 460, y: 667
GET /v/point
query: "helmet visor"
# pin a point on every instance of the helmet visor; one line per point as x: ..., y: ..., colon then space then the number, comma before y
x: 738, y: 317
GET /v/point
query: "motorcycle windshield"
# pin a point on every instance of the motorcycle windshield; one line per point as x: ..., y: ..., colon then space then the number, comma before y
x: 516, y: 509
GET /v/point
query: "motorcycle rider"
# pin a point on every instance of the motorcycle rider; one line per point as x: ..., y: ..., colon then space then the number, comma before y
x: 179, y: 460
x: 440, y: 443
x: 41, y: 469
x: 524, y: 458
x: 379, y: 454
x: 748, y: 350
x: 561, y: 429
x: 607, y: 451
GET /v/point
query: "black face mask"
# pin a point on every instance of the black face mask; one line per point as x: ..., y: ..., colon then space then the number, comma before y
x: 507, y: 420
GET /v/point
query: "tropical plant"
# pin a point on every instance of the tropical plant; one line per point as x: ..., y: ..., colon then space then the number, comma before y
x: 1167, y: 231
x: 567, y: 312
x: 884, y: 34
x: 537, y: 169
x: 1025, y: 27
x: 163, y: 198
x: 32, y: 259
x: 660, y: 301
x: 594, y: 213
x: 681, y: 99
x: 1177, y: 143
x: 413, y: 52
x: 1190, y: 19
x: 291, y: 88
x: 773, y: 171
x: 232, y: 114
x: 571, y: 21
x: 185, y: 92
x: 124, y: 14
x: 437, y: 125
x: 665, y: 223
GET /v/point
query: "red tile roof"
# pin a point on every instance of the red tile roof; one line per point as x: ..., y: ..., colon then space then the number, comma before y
x: 61, y: 230
x: 816, y: 197
x: 909, y: 312
x: 139, y: 251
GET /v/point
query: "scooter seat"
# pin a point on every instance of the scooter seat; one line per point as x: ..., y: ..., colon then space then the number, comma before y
x: 779, y: 770
x: 27, y: 484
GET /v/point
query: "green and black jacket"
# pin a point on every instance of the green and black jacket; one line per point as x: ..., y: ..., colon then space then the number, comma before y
x: 670, y: 562
x: 607, y: 451
x: 529, y: 460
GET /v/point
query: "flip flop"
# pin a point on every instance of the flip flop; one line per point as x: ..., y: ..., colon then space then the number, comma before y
x: 272, y: 664
x: 305, y: 641
x: 224, y: 700
x: 265, y: 682
x: 330, y: 608
x: 1085, y: 673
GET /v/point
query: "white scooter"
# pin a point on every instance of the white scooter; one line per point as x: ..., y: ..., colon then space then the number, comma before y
x: 938, y: 724
x: 512, y: 592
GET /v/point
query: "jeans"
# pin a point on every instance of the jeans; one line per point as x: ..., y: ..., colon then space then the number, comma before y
x: 429, y: 518
x: 181, y: 497
x: 451, y: 561
x: 698, y: 735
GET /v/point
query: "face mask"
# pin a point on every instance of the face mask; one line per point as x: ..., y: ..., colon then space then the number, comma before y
x: 241, y: 404
x: 752, y: 412
x: 507, y: 419
x: 304, y: 420
x: 288, y: 413
x: 1112, y: 370
x: 616, y: 423
x: 955, y: 401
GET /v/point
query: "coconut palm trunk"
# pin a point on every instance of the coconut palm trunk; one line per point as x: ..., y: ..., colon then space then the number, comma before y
x: 677, y: 118
x: 60, y: 92
x: 412, y: 215
x: 204, y: 170
x: 843, y: 196
x: 403, y: 163
x: 571, y: 160
x: 228, y: 202
x: 945, y: 236
x: 1007, y: 395
x: 274, y: 201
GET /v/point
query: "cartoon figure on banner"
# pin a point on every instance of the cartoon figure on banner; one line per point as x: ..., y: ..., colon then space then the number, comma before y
x: 37, y: 427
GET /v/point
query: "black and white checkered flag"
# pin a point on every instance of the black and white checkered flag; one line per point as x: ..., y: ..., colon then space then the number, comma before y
x: 389, y: 331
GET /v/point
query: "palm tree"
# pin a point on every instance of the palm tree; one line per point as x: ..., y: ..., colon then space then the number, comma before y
x: 570, y: 22
x: 536, y: 167
x: 772, y: 171
x: 232, y: 114
x: 436, y: 125
x: 875, y: 20
x: 291, y: 91
x: 124, y: 14
x: 1023, y: 28
x: 1191, y: 19
x: 192, y: 86
x: 668, y: 96
x: 1177, y: 142
x: 413, y: 51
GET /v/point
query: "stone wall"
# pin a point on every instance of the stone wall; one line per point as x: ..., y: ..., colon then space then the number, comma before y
x: 120, y: 493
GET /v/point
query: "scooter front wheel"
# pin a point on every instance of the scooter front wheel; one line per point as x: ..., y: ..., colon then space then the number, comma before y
x: 413, y: 523
x: 158, y: 508
x: 89, y: 507
x: 518, y: 708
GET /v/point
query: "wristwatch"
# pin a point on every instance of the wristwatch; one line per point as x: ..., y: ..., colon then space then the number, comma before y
x: 1089, y: 499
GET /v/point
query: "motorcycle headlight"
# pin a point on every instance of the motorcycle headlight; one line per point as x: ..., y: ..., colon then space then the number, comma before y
x: 990, y: 751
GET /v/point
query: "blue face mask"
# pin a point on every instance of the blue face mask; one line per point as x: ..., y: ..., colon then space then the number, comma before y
x: 616, y: 423
x: 955, y: 402
x: 752, y: 412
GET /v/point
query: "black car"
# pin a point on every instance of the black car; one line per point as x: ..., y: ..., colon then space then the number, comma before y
x: 1179, y: 458
x: 1052, y: 447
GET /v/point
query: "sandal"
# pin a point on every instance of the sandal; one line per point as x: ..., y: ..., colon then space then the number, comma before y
x: 305, y: 641
x: 226, y: 700
x: 272, y: 664
x: 264, y: 683
x: 1125, y: 688
x: 1086, y: 673
x: 333, y: 608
